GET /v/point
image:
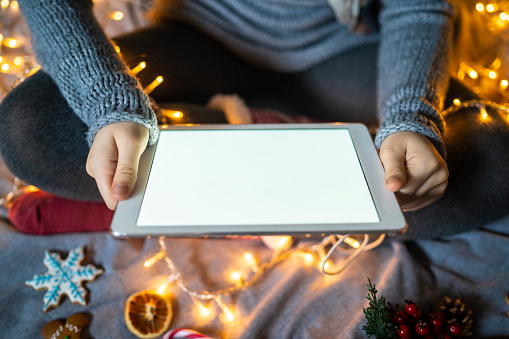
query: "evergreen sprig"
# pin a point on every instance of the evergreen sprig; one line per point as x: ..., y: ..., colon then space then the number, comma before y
x: 378, y: 318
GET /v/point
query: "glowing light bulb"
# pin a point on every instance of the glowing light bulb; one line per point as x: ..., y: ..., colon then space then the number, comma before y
x: 252, y: 262
x: 12, y: 43
x: 479, y: 7
x: 176, y: 114
x: 4, y: 67
x: 472, y: 73
x: 456, y: 101
x: 14, y: 5
x: 4, y: 3
x: 484, y: 114
x: 229, y: 316
x: 490, y: 8
x: 139, y: 68
x: 308, y: 258
x: 503, y: 16
x: 163, y: 287
x: 117, y: 49
x: 352, y: 242
x: 236, y: 277
x: 154, y: 259
x: 248, y: 256
x: 504, y: 83
x: 326, y: 265
x: 492, y: 74
x: 153, y: 84
x: 118, y: 15
x: 18, y: 61
x: 205, y: 312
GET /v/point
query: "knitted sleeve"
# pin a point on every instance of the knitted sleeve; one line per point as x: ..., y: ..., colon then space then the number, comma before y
x: 415, y: 41
x: 73, y: 49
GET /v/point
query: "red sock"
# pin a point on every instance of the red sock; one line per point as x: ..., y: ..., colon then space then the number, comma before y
x: 42, y: 213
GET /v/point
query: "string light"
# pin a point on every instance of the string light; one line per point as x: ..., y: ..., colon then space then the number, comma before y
x: 479, y: 7
x: 281, y: 253
x: 204, y: 311
x: 140, y: 67
x: 4, y: 4
x: 236, y: 277
x: 153, y: 85
x: 118, y: 15
x: 11, y: 43
x: 352, y: 242
x: 155, y: 259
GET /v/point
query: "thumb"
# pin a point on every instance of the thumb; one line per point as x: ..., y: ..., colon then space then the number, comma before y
x: 393, y: 161
x: 126, y: 172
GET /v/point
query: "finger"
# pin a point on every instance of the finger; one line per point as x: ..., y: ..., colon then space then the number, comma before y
x: 422, y: 180
x: 102, y: 167
x: 126, y: 171
x: 393, y: 161
x: 420, y: 199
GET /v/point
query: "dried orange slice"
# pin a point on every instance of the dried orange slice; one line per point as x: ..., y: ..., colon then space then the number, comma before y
x: 148, y: 314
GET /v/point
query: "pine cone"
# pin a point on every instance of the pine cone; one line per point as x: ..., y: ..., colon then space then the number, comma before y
x: 456, y: 312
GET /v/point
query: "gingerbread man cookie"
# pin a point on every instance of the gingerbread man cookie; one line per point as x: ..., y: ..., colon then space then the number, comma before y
x: 56, y: 329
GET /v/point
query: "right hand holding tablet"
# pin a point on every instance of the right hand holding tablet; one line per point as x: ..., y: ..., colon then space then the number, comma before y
x: 113, y: 159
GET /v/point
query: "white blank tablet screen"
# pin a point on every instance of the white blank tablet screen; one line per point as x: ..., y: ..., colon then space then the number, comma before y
x: 253, y: 177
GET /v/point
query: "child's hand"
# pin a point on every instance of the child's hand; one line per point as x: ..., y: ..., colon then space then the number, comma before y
x: 414, y: 170
x: 113, y: 159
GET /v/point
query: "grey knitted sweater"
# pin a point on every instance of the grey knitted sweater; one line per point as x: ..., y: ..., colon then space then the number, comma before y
x: 287, y: 35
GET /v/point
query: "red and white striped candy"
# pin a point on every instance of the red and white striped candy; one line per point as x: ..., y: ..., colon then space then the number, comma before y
x: 184, y: 333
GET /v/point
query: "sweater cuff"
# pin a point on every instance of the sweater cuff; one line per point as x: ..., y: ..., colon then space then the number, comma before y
x: 412, y: 123
x: 149, y: 120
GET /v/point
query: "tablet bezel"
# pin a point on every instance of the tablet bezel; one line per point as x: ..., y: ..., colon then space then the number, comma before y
x: 124, y: 223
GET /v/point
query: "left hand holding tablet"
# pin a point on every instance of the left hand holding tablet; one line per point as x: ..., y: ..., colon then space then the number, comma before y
x: 414, y: 170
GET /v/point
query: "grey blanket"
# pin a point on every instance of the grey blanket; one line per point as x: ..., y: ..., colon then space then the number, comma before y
x: 292, y: 300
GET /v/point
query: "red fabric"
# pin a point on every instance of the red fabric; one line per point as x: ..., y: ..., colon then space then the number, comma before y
x: 42, y: 213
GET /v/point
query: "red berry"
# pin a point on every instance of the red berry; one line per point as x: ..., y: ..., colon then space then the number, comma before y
x: 417, y: 315
x: 411, y: 308
x: 454, y: 328
x: 400, y: 317
x: 403, y: 331
x: 436, y: 321
x: 422, y: 328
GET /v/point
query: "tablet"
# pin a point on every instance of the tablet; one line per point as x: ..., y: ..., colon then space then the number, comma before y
x: 263, y: 179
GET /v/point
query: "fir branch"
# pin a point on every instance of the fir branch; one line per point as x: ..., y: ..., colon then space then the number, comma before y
x: 378, y: 318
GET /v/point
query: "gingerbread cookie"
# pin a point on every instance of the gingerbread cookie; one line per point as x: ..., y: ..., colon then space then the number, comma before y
x: 72, y: 328
x: 64, y: 277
